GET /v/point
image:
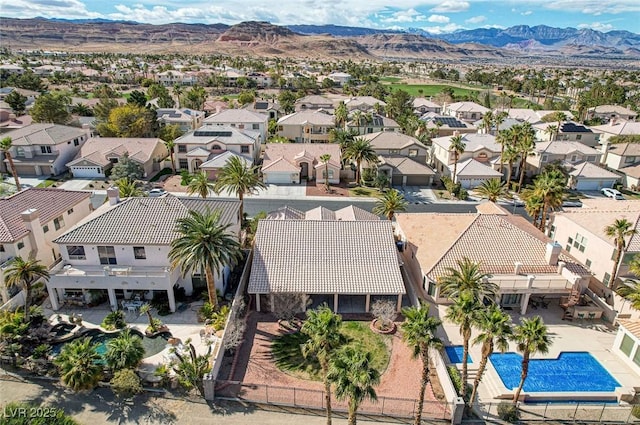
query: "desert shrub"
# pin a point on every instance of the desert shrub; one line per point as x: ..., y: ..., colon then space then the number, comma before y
x: 126, y: 383
x: 41, y: 351
x: 508, y: 412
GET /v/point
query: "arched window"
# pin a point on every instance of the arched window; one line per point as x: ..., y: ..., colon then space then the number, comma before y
x: 216, y: 148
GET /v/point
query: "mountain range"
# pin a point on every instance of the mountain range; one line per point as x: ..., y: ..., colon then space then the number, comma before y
x: 316, y: 41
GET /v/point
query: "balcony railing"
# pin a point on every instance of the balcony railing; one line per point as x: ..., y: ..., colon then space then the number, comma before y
x: 548, y: 283
x: 89, y: 271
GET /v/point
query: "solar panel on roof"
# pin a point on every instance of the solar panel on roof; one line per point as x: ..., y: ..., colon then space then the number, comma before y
x: 212, y: 134
x: 449, y: 122
x: 569, y: 127
x: 261, y: 105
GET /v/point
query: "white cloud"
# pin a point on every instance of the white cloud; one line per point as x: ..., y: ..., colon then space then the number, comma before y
x: 451, y: 6
x: 410, y: 15
x: 443, y: 29
x: 598, y: 26
x: 595, y: 7
x: 71, y: 9
x: 476, y: 20
x: 526, y: 13
x: 438, y: 19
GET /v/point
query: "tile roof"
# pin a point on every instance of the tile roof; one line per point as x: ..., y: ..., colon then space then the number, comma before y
x: 286, y: 153
x: 633, y: 326
x: 320, y: 213
x: 350, y: 213
x: 315, y: 117
x: 96, y: 149
x: 325, y: 257
x: 421, y: 101
x: 532, y: 116
x: 591, y: 171
x: 611, y: 109
x: 625, y: 149
x: 44, y: 134
x: 565, y: 147
x: 391, y: 140
x: 236, y: 116
x: 618, y: 128
x: 467, y: 107
x: 405, y: 165
x: 50, y: 203
x: 473, y: 142
x: 285, y: 213
x: 220, y: 160
x: 222, y: 133
x: 473, y: 168
x: 149, y: 221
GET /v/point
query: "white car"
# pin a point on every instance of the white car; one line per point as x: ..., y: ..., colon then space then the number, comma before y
x: 154, y: 193
x: 612, y: 193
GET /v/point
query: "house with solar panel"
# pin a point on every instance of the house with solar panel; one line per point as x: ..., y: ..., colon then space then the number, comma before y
x: 265, y: 107
x: 443, y: 126
x: 185, y: 118
x: 242, y: 119
x: 371, y: 123
x: 465, y: 111
x: 206, y: 143
x: 567, y: 131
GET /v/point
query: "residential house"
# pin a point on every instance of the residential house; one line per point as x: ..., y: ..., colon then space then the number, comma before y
x: 346, y: 264
x: 187, y: 119
x: 441, y: 126
x: 173, y: 77
x: 314, y: 102
x: 365, y: 104
x: 532, y: 116
x: 465, y: 111
x: 627, y: 342
x: 29, y: 222
x: 199, y: 146
x: 350, y: 213
x: 371, y: 123
x: 242, y: 119
x: 44, y: 149
x: 98, y: 155
x: 262, y: 80
x: 582, y: 232
x: 213, y: 166
x: 625, y: 159
x: 611, y: 112
x: 287, y: 163
x: 214, y: 106
x: 393, y: 143
x: 9, y: 121
x: 123, y: 247
x: 422, y: 106
x: 587, y: 176
x: 340, y: 78
x: 265, y: 107
x: 11, y: 69
x: 566, y: 153
x: 568, y: 131
x: 404, y: 171
x: 309, y: 126
x: 518, y: 258
x: 616, y: 127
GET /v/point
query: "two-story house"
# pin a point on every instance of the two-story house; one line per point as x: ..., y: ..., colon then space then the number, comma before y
x: 31, y: 219
x: 441, y: 126
x: 519, y: 259
x: 616, y: 127
x: 123, y: 247
x: 610, y: 112
x: 307, y: 126
x: 199, y: 146
x: 562, y: 152
x: 625, y: 159
x: 365, y: 104
x: 532, y: 116
x: 265, y: 107
x: 44, y: 149
x: 567, y: 131
x: 242, y: 119
x: 314, y: 102
x: 465, y: 111
x: 371, y: 123
x: 422, y: 106
x: 187, y: 119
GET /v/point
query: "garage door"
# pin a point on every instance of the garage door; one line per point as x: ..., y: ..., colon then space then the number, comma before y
x: 594, y: 185
x: 396, y: 180
x: 418, y: 180
x: 281, y: 178
x: 86, y: 172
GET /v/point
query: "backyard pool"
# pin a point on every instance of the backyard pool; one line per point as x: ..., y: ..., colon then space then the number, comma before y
x: 570, y: 372
x: 454, y: 352
x: 151, y: 345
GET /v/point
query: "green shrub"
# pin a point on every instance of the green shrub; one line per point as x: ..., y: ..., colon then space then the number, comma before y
x: 456, y: 379
x: 220, y: 318
x: 41, y: 351
x: 126, y: 383
x: 185, y: 178
x: 635, y: 411
x: 508, y: 412
x: 114, y: 320
x: 206, y: 311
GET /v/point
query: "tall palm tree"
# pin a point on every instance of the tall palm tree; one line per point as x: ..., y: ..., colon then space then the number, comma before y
x: 25, y: 273
x: 124, y: 352
x: 498, y: 119
x: 239, y: 178
x: 204, y: 244
x: 341, y: 115
x: 360, y: 150
x: 457, y: 146
x: 200, y: 185
x: 323, y: 329
x: 392, y: 202
x: 619, y: 230
x: 510, y: 156
x: 533, y: 204
x: 170, y: 145
x: 128, y: 188
x: 5, y: 147
x: 79, y: 365
x: 560, y: 117
x: 631, y: 291
x: 531, y: 337
x: 552, y: 131
x: 464, y: 313
x: 550, y: 187
x: 495, y: 330
x: 418, y: 332
x: 492, y: 189
x: 326, y: 158
x: 487, y: 122
x: 356, y: 117
x: 467, y: 277
x: 526, y: 146
x: 355, y: 378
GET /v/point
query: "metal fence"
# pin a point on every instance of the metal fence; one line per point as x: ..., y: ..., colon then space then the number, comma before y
x: 315, y: 399
x: 565, y: 412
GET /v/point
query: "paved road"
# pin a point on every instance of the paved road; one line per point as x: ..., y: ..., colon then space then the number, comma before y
x: 100, y: 407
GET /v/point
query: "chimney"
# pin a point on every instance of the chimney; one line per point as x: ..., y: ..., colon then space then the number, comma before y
x: 31, y: 219
x: 552, y: 253
x: 113, y: 193
x: 605, y: 151
x: 561, y: 266
x: 517, y: 267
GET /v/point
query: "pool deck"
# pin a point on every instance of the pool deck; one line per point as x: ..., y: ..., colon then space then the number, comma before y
x: 595, y: 337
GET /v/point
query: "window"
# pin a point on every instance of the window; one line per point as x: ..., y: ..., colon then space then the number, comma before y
x: 45, y: 149
x: 431, y: 289
x: 636, y: 358
x: 255, y: 126
x: 183, y: 164
x: 76, y: 252
x: 578, y: 136
x: 324, y: 174
x: 113, y: 160
x: 70, y: 211
x: 606, y: 278
x: 107, y: 255
x: 574, y: 158
x: 58, y: 223
x: 629, y: 159
x: 1, y: 248
x: 588, y: 263
x: 413, y: 153
x: 580, y: 242
x: 45, y: 228
x: 244, y: 149
x: 20, y: 245
x: 552, y: 231
x: 591, y: 158
x: 569, y: 243
x: 182, y: 148
x: 626, y: 345
x: 216, y: 147
x: 393, y: 151
x: 544, y: 158
x: 138, y: 253
x: 76, y: 142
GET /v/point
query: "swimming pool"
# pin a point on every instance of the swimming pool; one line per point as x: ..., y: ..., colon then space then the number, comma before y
x: 454, y: 352
x: 570, y: 372
x: 151, y: 345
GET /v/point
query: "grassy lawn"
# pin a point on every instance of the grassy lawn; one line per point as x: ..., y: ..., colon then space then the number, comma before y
x: 364, y: 191
x: 289, y: 359
x: 162, y: 172
x: 430, y: 89
x: 47, y: 183
x: 519, y: 102
x: 390, y: 79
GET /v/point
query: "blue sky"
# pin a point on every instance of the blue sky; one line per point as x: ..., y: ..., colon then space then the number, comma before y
x: 435, y: 16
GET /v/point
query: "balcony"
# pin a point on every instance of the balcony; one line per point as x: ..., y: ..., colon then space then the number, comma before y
x: 543, y: 283
x: 118, y: 277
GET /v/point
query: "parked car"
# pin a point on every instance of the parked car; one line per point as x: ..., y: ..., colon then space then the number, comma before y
x: 612, y: 193
x: 572, y: 204
x: 154, y: 193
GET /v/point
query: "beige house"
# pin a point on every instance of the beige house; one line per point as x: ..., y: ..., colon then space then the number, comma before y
x: 465, y: 111
x: 404, y: 171
x: 442, y: 126
x: 627, y: 343
x: 313, y: 102
x: 609, y: 113
x: 422, y: 105
x: 568, y: 131
x: 307, y: 126
x: 371, y: 123
x: 292, y: 163
x: 364, y: 103
x: 31, y: 219
x: 616, y: 127
x: 561, y: 151
x: 185, y: 118
x: 532, y: 116
x: 242, y: 119
x: 522, y: 261
x: 395, y: 143
x: 99, y: 154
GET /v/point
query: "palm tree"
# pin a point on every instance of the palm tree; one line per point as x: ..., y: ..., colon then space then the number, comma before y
x: 495, y: 330
x: 487, y: 122
x: 467, y: 278
x: 128, y: 188
x: 457, y: 146
x: 326, y: 158
x: 356, y: 117
x: 360, y: 150
x: 192, y: 367
x: 79, y: 365
x: 631, y: 291
x: 531, y: 338
x: 552, y: 131
x: 24, y: 273
x: 418, y: 331
x: 560, y: 117
x: 239, y: 178
x: 492, y: 189
x: 341, y: 115
x: 153, y: 323
x: 549, y: 186
x: 533, y: 204
x: 354, y: 376
x: 5, y: 147
x: 390, y: 203
x: 323, y: 329
x: 619, y: 230
x: 200, y: 185
x: 170, y: 145
x: 124, y: 352
x: 464, y: 313
x: 525, y: 146
x: 204, y: 244
x: 510, y: 155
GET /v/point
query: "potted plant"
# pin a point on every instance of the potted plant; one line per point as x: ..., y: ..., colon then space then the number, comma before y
x: 384, y: 313
x: 155, y: 325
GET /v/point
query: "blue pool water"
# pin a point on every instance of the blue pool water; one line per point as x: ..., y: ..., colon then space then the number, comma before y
x: 454, y: 352
x: 570, y: 372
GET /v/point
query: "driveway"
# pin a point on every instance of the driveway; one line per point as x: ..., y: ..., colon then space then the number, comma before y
x: 76, y: 184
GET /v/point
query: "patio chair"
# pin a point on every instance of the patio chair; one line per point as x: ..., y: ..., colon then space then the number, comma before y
x: 132, y: 309
x: 591, y: 316
x: 581, y: 315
